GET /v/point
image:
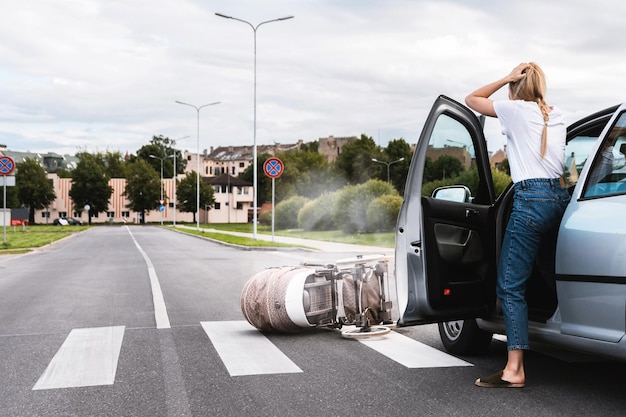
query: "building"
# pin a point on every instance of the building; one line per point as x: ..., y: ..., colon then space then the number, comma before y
x: 219, y: 167
x: 458, y: 152
x: 51, y: 162
x: 233, y: 199
x: 331, y: 146
x: 231, y: 159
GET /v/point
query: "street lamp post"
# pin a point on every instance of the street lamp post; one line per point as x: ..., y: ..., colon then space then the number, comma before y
x: 198, y: 173
x: 175, y: 176
x: 161, y: 202
x: 388, y: 165
x: 254, y: 152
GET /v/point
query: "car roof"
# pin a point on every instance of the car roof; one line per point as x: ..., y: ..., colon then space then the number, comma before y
x: 597, y: 115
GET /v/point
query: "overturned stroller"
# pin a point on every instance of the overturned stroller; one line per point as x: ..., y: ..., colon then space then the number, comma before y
x: 353, y: 292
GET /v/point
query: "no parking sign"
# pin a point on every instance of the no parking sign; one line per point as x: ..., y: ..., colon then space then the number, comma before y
x: 273, y: 167
x: 7, y: 165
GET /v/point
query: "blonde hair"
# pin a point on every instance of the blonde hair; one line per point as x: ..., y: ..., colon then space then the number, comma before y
x: 533, y: 88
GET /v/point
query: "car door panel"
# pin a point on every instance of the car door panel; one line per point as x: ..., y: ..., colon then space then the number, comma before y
x: 445, y: 252
x: 591, y: 250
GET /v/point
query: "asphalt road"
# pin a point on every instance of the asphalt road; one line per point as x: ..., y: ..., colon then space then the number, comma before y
x: 143, y: 321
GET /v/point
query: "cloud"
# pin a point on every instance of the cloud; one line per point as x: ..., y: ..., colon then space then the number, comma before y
x: 94, y: 74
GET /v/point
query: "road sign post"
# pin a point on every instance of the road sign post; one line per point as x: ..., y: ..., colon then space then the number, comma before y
x: 7, y: 166
x: 273, y: 168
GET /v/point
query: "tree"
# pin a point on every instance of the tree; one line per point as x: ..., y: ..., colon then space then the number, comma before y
x: 307, y: 174
x: 143, y: 188
x: 162, y: 147
x: 187, y: 195
x: 398, y: 172
x: 90, y: 185
x: 354, y: 162
x: 444, y: 167
x: 34, y: 189
x: 12, y: 199
x: 114, y: 164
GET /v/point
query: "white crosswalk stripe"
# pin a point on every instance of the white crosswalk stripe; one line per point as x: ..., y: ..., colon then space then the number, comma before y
x: 245, y: 351
x: 89, y: 357
x: 411, y: 353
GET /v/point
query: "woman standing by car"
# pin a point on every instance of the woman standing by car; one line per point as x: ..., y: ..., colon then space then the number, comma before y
x: 536, y: 152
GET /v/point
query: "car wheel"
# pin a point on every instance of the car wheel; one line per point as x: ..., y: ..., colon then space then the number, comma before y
x: 464, y: 337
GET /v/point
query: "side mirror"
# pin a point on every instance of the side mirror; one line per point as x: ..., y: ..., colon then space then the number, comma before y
x: 458, y: 193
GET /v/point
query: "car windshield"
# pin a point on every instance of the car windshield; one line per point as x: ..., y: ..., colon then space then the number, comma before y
x: 608, y: 174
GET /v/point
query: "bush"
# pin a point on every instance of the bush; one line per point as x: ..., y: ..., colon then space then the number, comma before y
x: 501, y: 180
x: 382, y: 213
x: 351, y: 209
x: 265, y: 218
x: 469, y: 178
x: 318, y: 214
x: 286, y: 212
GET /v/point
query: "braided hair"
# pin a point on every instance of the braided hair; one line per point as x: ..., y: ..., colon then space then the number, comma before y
x: 533, y: 88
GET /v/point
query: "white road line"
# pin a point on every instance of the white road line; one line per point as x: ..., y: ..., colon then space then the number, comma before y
x: 411, y: 353
x: 87, y: 358
x: 160, y: 311
x: 245, y: 351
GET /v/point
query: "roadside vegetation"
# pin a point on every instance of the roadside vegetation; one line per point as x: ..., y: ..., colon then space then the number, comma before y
x: 24, y: 239
x: 384, y: 239
x: 235, y: 240
x: 21, y: 239
x: 353, y: 199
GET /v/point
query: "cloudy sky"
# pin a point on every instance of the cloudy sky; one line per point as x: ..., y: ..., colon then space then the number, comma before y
x: 101, y: 75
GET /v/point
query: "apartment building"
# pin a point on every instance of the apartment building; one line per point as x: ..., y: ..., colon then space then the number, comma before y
x: 219, y: 167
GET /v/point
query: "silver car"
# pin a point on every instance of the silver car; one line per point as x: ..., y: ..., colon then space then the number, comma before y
x: 452, y: 221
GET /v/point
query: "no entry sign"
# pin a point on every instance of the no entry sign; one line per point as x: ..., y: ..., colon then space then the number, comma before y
x: 273, y: 167
x: 7, y: 165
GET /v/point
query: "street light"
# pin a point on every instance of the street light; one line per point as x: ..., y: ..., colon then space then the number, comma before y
x: 388, y: 165
x: 161, y: 201
x: 175, y: 176
x: 254, y: 152
x: 198, y: 173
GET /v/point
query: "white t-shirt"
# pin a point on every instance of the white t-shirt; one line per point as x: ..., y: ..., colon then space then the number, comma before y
x: 522, y: 123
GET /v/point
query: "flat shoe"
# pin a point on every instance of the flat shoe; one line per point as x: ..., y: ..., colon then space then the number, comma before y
x: 496, y: 381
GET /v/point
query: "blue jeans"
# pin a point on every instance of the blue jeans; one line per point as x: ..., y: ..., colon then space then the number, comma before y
x: 538, y: 207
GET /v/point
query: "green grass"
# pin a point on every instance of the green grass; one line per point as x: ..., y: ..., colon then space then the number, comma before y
x: 235, y: 240
x: 368, y: 239
x: 21, y: 239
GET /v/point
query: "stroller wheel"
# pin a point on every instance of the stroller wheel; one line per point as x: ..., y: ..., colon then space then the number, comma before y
x: 360, y: 333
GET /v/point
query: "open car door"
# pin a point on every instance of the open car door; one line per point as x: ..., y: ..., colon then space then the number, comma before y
x: 445, y: 239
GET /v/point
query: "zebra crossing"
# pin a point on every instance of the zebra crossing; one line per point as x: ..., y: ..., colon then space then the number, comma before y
x: 89, y: 357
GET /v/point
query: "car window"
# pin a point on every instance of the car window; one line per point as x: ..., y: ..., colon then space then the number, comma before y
x: 580, y: 144
x: 450, y: 157
x: 607, y: 176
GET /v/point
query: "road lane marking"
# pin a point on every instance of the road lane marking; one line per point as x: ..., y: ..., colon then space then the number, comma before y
x: 88, y: 357
x: 411, y: 353
x: 160, y: 311
x: 245, y: 351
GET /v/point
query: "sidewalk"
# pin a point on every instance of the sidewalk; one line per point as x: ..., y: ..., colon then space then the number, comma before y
x: 319, y: 245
